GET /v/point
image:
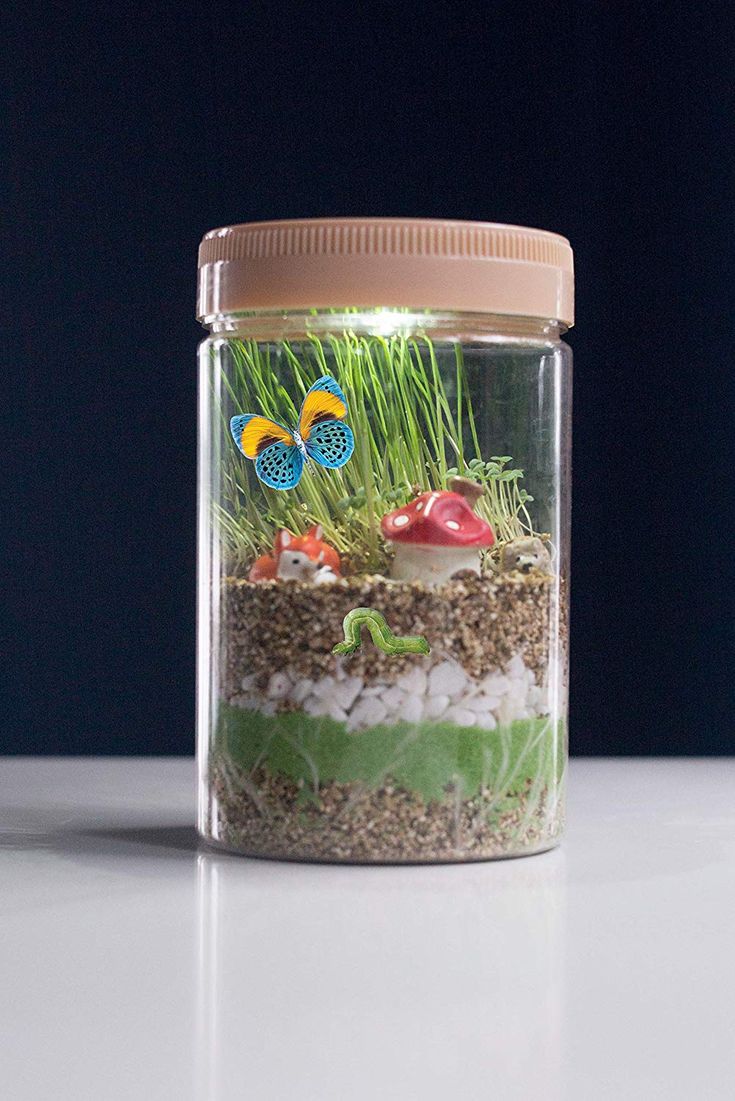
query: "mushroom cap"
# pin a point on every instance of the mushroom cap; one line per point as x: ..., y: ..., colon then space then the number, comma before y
x: 437, y: 519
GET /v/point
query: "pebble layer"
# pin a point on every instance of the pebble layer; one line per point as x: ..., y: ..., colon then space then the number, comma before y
x: 441, y: 692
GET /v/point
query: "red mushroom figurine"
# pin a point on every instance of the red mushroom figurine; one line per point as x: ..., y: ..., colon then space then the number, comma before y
x: 436, y: 535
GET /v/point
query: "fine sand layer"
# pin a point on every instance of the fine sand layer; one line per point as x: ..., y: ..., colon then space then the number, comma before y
x: 414, y: 785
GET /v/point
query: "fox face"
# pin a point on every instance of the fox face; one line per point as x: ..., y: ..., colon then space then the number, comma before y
x: 298, y: 558
x: 295, y: 565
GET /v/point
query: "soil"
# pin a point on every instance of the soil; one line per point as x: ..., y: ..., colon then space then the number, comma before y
x: 479, y: 622
x: 265, y: 816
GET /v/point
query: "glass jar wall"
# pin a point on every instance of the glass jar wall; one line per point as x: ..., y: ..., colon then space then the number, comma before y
x: 383, y: 585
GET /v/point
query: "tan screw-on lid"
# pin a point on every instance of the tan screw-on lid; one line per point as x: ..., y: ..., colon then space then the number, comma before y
x: 479, y: 267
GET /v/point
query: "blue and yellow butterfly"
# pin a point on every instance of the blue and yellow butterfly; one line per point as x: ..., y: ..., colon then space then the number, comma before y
x: 279, y: 454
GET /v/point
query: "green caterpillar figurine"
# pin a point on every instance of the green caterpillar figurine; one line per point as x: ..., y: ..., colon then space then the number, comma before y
x: 381, y: 635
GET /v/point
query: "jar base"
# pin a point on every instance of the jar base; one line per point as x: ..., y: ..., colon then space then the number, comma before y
x: 291, y: 858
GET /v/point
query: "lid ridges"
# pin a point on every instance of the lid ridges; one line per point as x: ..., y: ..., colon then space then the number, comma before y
x: 385, y: 237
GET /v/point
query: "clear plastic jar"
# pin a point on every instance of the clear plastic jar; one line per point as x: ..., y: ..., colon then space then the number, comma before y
x: 383, y: 540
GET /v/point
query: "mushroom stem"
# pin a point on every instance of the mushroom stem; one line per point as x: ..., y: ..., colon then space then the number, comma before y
x: 432, y: 565
x: 471, y: 491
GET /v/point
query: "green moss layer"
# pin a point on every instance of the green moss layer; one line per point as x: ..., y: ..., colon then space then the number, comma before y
x: 425, y: 758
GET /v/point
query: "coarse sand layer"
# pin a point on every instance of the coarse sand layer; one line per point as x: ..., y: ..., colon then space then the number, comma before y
x: 479, y: 622
x: 265, y: 816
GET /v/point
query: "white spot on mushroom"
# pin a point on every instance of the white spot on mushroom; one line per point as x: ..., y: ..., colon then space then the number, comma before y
x: 453, y: 525
x: 419, y: 506
x: 400, y: 521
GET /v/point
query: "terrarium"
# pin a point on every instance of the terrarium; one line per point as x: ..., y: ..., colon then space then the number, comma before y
x: 383, y: 539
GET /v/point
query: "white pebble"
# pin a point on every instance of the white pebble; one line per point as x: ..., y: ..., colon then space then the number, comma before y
x: 413, y: 682
x: 366, y: 712
x: 495, y: 684
x: 247, y: 703
x: 446, y: 679
x: 278, y: 686
x: 536, y: 699
x: 460, y: 716
x: 435, y: 706
x: 479, y: 704
x: 411, y: 709
x: 325, y: 687
x: 317, y: 706
x: 486, y: 721
x: 337, y: 713
x: 247, y: 682
x: 392, y: 698
x: 302, y: 689
x: 516, y: 666
x: 508, y: 711
x: 347, y: 691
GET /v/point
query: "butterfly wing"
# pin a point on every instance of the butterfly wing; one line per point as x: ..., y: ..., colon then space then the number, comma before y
x: 324, y: 401
x: 280, y: 465
x: 253, y: 434
x: 278, y: 461
x: 330, y: 443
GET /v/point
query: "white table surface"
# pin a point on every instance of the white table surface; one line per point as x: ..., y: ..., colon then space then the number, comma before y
x: 135, y: 965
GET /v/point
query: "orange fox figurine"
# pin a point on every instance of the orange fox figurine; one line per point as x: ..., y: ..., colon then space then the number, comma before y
x: 298, y: 558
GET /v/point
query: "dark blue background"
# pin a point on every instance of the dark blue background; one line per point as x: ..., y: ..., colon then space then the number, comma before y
x: 132, y: 133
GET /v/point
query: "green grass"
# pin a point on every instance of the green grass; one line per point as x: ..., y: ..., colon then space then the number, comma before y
x: 414, y: 426
x: 422, y: 758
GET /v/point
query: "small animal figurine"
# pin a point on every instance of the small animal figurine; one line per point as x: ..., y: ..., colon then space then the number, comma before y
x: 525, y: 554
x: 279, y: 453
x: 298, y: 558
